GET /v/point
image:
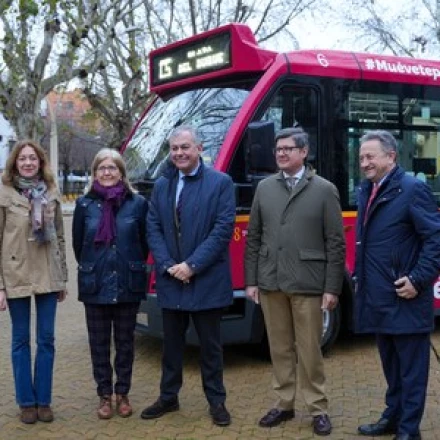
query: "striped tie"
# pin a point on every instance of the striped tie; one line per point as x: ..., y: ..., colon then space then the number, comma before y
x: 179, y: 203
x: 291, y: 182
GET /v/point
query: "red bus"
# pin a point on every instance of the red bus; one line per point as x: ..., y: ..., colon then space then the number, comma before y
x: 238, y: 94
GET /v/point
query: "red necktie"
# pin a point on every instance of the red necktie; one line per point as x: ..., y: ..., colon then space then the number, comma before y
x: 372, y: 196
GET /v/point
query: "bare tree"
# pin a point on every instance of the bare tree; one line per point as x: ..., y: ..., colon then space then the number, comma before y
x: 170, y: 20
x: 410, y: 28
x: 43, y: 45
x: 119, y: 90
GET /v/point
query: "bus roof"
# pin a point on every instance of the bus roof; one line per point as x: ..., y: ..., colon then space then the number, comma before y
x: 366, y: 66
x: 231, y: 51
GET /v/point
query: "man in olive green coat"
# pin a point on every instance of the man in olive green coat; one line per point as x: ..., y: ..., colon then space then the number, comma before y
x: 294, y: 266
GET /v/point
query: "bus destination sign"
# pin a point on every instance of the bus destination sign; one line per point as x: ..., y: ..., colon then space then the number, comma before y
x: 191, y: 59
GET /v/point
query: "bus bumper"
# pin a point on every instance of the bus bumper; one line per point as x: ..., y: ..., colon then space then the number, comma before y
x: 242, y: 322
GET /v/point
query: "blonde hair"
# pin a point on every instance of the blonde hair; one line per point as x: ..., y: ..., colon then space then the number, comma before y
x: 44, y: 170
x: 108, y: 153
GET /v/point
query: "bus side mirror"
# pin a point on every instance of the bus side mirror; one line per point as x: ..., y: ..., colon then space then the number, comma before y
x: 259, y: 146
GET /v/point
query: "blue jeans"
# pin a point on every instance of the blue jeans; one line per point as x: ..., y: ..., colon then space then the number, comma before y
x: 38, y: 391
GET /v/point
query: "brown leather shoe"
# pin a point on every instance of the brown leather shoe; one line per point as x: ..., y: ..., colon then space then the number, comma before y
x: 45, y: 414
x: 123, y: 407
x: 322, y: 425
x: 28, y: 414
x: 276, y: 416
x: 105, y: 409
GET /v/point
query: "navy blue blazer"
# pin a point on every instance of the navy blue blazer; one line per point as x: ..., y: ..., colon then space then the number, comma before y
x: 202, y: 239
x: 401, y: 236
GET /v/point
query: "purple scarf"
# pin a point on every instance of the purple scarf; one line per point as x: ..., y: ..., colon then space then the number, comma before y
x: 112, y: 197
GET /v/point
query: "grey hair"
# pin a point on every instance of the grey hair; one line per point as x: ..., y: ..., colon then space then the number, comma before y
x: 186, y: 129
x: 387, y: 141
x: 300, y: 137
x: 115, y: 156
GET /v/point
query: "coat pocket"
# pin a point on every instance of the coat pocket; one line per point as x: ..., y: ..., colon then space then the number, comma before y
x: 57, y: 268
x: 312, y: 269
x: 312, y: 255
x: 137, y: 276
x: 86, y: 278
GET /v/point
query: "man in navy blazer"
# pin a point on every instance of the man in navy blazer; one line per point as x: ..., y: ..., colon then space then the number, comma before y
x: 189, y: 227
x: 397, y: 260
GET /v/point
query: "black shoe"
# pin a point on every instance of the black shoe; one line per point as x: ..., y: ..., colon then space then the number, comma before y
x: 275, y: 416
x: 382, y: 427
x: 220, y: 415
x: 408, y: 437
x: 322, y: 425
x: 159, y: 408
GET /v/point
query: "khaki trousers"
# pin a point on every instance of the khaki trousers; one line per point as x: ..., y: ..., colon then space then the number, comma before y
x: 294, y: 328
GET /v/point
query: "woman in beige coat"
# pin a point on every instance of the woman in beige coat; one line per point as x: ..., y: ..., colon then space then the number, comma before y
x: 32, y: 264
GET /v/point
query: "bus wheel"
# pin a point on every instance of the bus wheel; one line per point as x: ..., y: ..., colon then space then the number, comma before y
x: 331, y: 324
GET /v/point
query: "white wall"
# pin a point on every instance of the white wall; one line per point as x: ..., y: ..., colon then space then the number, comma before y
x: 7, y: 134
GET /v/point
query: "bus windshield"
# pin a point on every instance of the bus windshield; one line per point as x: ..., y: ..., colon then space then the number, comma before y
x: 210, y: 111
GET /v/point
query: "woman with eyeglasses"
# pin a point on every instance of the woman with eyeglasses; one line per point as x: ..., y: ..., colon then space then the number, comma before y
x: 32, y: 264
x: 109, y: 242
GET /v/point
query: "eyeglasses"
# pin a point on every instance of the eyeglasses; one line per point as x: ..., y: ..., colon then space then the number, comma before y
x: 109, y: 168
x: 285, y: 150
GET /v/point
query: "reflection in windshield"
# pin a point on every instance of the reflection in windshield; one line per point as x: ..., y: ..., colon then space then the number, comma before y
x: 211, y: 111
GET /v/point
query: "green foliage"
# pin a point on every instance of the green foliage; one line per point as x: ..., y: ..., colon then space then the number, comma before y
x: 28, y: 8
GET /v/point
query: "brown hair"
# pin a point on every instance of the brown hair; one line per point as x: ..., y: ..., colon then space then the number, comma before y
x: 108, y: 153
x: 44, y: 171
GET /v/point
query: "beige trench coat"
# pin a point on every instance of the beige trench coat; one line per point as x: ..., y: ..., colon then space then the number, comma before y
x: 27, y: 267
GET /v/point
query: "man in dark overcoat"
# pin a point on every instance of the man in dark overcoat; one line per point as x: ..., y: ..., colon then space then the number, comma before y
x: 189, y: 227
x: 397, y: 260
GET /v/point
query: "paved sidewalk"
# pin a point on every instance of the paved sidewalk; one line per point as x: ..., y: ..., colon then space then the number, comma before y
x: 355, y: 386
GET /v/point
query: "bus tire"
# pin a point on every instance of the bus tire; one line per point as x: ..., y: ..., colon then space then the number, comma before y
x: 331, y: 325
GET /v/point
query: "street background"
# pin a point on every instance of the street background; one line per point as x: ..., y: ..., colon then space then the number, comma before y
x: 355, y: 386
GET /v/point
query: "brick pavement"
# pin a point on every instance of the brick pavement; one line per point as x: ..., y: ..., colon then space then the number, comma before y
x: 355, y: 387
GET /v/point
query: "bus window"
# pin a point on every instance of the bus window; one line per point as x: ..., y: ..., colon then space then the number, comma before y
x: 414, y: 122
x: 211, y: 111
x: 373, y: 108
x: 292, y: 105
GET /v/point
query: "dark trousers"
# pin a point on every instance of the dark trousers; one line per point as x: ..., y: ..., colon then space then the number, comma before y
x: 405, y: 362
x: 207, y: 325
x: 101, y: 320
